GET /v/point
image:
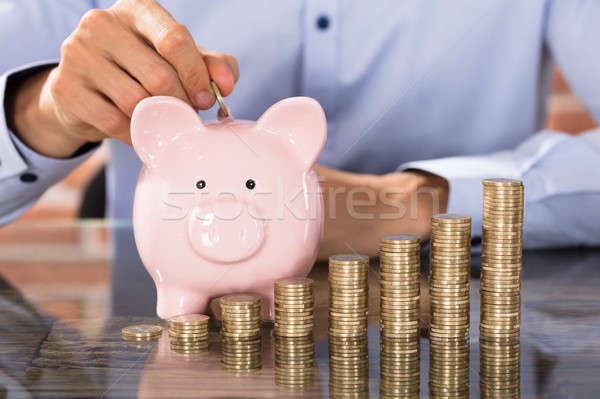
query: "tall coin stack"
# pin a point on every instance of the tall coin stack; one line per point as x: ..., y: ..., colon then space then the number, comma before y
x: 240, y: 333
x: 450, y: 260
x: 188, y: 333
x: 348, y: 308
x: 399, y: 264
x: 501, y: 263
x: 294, y: 343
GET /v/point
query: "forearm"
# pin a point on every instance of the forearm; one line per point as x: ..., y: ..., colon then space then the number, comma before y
x: 562, y: 186
x: 360, y: 208
x: 33, y: 120
x: 24, y: 173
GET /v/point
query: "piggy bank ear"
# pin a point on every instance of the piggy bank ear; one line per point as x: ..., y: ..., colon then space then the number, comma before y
x: 301, y: 122
x: 157, y: 123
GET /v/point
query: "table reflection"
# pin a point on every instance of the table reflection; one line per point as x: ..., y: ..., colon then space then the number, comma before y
x: 44, y: 356
x: 168, y: 374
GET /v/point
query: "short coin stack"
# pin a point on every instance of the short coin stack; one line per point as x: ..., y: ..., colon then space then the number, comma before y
x: 399, y: 262
x: 348, y: 308
x: 188, y: 333
x: 294, y: 344
x: 449, y: 290
x: 240, y: 333
x: 501, y: 264
x: 294, y: 304
x: 141, y: 332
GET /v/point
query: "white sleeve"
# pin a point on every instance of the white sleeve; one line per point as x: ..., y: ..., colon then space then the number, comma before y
x: 31, y: 32
x: 561, y: 174
x: 25, y: 174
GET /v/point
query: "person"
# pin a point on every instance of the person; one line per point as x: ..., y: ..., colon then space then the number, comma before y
x: 423, y: 100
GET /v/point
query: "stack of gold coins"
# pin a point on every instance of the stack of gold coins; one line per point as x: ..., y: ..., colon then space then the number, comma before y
x: 294, y: 345
x: 294, y: 361
x: 501, y: 264
x: 188, y: 333
x: 294, y: 307
x: 500, y: 368
x: 240, y: 333
x: 450, y: 262
x: 399, y: 265
x: 348, y: 308
x: 141, y: 332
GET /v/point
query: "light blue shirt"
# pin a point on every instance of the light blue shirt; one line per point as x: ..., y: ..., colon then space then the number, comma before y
x: 457, y: 88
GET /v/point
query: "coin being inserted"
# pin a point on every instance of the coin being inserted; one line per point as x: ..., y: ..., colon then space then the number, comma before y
x: 222, y: 105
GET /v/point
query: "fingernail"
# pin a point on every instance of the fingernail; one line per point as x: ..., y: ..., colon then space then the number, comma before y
x: 204, y: 99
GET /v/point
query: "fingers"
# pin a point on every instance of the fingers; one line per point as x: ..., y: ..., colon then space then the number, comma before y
x: 87, y: 113
x: 83, y: 62
x: 154, y: 74
x: 105, y: 117
x: 118, y: 86
x: 176, y: 45
x: 223, y: 69
x: 117, y: 57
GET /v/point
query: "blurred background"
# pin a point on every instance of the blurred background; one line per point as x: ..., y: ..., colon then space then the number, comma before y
x: 78, y: 254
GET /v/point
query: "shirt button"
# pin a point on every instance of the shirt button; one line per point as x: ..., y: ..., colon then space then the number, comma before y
x: 28, y: 177
x: 475, y: 241
x: 323, y: 22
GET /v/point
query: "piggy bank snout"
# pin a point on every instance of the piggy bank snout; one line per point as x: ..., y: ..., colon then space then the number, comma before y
x: 226, y: 231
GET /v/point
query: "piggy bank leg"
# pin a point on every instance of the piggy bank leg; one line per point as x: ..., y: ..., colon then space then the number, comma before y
x: 171, y: 301
x: 268, y: 302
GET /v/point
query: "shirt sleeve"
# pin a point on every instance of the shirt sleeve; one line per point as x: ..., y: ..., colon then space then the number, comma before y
x: 561, y: 173
x: 25, y: 174
x: 32, y: 32
x: 562, y: 186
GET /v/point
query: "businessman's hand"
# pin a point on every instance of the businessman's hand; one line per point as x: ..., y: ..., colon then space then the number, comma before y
x: 361, y: 208
x: 115, y: 58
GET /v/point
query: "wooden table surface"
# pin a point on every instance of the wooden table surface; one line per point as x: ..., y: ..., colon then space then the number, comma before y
x: 51, y: 351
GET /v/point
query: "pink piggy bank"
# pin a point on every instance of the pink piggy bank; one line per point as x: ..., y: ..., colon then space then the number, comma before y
x: 226, y: 206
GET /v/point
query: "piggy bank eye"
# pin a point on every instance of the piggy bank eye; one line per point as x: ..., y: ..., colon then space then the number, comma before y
x: 200, y: 184
x: 250, y: 184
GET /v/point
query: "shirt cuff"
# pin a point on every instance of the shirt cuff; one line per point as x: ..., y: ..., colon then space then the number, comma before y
x: 464, y: 176
x: 18, y: 160
x: 48, y: 169
x: 11, y: 162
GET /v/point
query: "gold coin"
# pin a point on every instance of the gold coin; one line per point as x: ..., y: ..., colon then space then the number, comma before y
x: 512, y: 198
x: 140, y: 339
x: 400, y: 239
x: 500, y: 182
x: 175, y: 338
x: 142, y: 331
x: 349, y: 258
x: 393, y: 258
x: 449, y: 233
x: 217, y: 93
x: 240, y: 299
x: 454, y: 218
x: 295, y: 282
x: 450, y: 244
x: 189, y: 320
x: 188, y: 333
